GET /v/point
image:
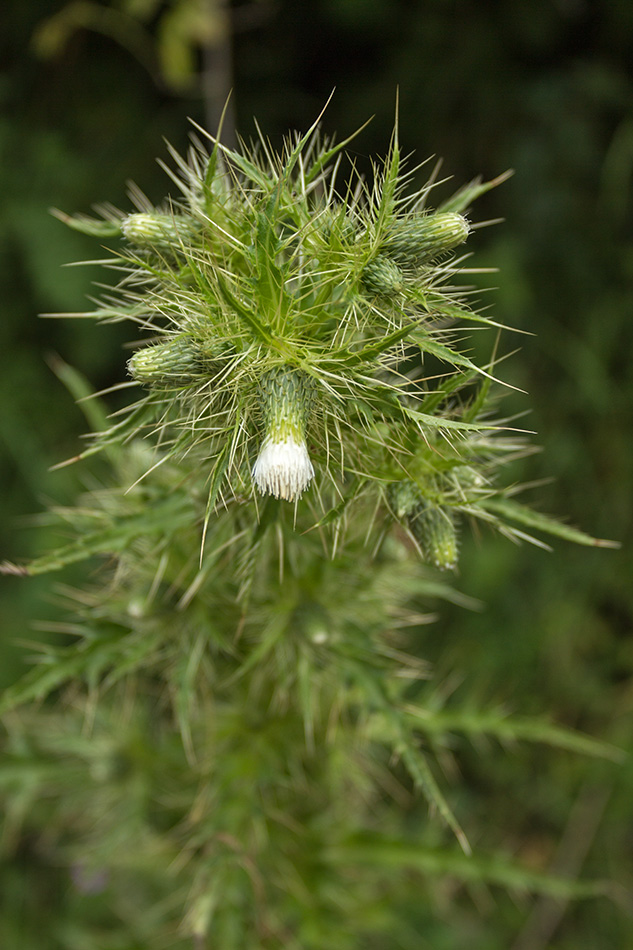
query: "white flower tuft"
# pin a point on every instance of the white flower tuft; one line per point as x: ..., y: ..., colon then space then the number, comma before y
x: 283, y: 468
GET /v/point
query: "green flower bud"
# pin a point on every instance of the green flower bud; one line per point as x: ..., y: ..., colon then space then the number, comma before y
x: 175, y: 363
x: 403, y: 497
x: 382, y: 278
x: 467, y: 480
x: 468, y: 476
x: 433, y: 527
x: 162, y: 231
x: 338, y: 229
x: 421, y: 238
x: 283, y: 467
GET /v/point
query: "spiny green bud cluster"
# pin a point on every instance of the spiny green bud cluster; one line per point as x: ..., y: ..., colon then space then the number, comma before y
x: 382, y: 277
x: 160, y: 231
x: 422, y: 238
x: 179, y: 361
x: 403, y: 498
x: 283, y: 300
x: 433, y: 527
x: 467, y: 481
x: 286, y: 399
x: 431, y: 524
x: 337, y: 228
x: 283, y: 467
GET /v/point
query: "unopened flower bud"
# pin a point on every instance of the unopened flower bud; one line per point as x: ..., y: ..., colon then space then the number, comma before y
x: 433, y: 527
x: 161, y: 231
x: 337, y: 229
x: 468, y: 481
x: 283, y: 467
x: 177, y: 362
x: 382, y: 277
x: 403, y: 497
x: 422, y: 238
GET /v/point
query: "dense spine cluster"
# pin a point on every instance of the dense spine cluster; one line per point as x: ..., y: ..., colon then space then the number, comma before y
x: 302, y: 343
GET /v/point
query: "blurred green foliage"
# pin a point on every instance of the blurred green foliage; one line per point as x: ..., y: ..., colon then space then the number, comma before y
x: 545, y: 88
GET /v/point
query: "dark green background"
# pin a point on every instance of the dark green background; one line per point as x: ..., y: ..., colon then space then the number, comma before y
x: 545, y: 88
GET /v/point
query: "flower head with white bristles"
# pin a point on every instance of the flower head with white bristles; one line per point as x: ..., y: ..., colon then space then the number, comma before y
x: 283, y: 467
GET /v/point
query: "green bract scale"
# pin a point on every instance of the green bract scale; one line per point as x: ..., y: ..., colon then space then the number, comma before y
x: 305, y: 338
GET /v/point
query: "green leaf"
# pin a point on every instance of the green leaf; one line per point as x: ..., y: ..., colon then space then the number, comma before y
x: 439, y: 422
x: 421, y: 773
x: 479, y: 403
x: 450, y: 384
x: 139, y: 417
x: 86, y: 225
x: 322, y: 160
x: 496, y: 869
x: 83, y: 393
x: 246, y: 315
x: 181, y: 31
x: 390, y: 186
x: 185, y: 679
x: 436, y: 304
x: 167, y: 516
x: 370, y: 680
x: 301, y: 143
x: 334, y: 514
x: 248, y: 168
x: 217, y: 477
x: 41, y: 681
x: 54, y: 33
x: 270, y: 282
x: 463, y: 198
x: 428, y: 345
x: 371, y: 351
x: 513, y: 511
x: 116, y: 654
x: 507, y: 728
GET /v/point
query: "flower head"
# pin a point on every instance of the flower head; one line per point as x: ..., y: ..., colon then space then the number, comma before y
x: 283, y: 468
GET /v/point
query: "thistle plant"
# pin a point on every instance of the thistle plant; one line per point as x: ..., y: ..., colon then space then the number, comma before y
x: 238, y: 686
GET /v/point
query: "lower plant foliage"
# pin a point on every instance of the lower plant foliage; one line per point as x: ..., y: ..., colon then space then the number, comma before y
x: 225, y: 747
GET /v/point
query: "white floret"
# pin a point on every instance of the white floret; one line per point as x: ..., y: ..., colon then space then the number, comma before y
x: 283, y: 468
